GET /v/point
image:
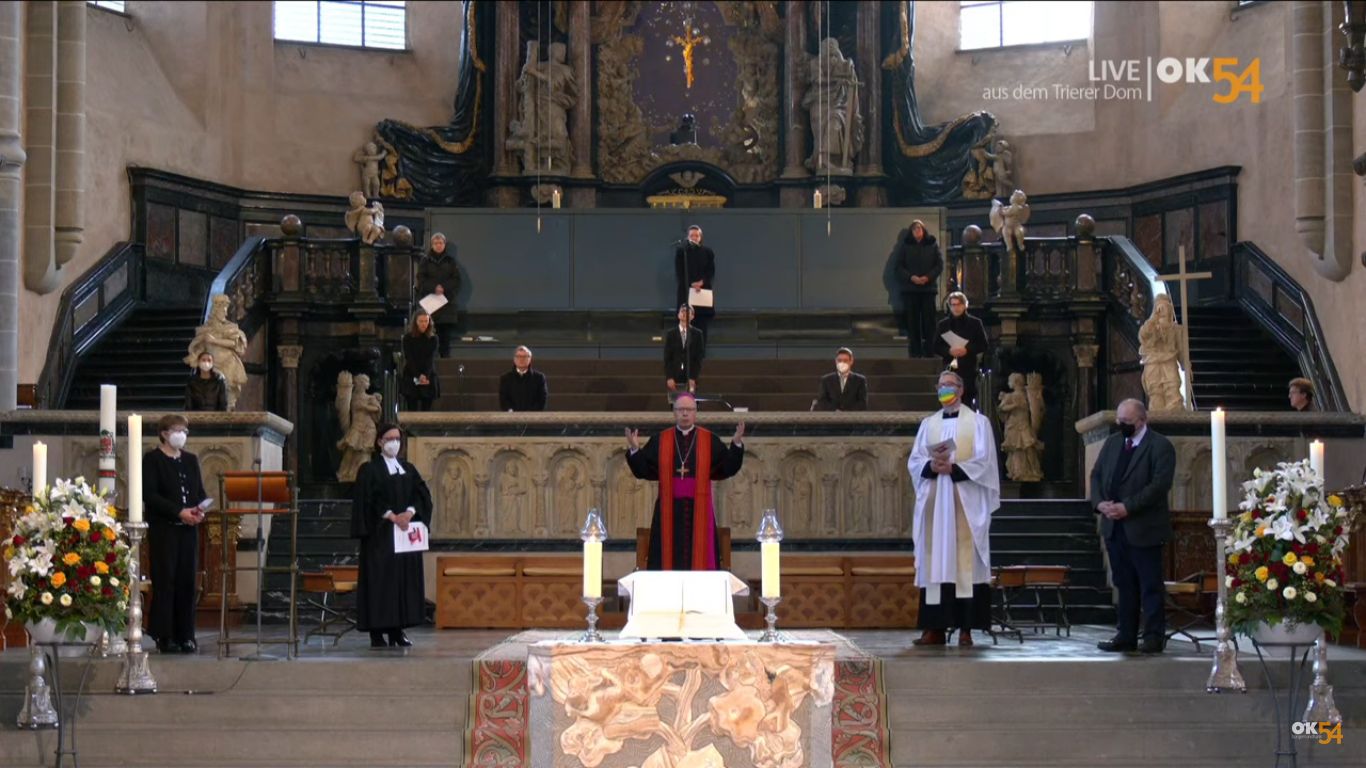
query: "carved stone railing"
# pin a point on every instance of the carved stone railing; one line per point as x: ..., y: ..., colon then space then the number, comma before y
x: 94, y: 304
x: 1280, y: 305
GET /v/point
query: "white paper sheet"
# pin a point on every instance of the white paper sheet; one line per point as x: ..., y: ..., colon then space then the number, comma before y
x: 432, y: 302
x: 954, y: 340
x: 700, y: 297
x: 415, y: 539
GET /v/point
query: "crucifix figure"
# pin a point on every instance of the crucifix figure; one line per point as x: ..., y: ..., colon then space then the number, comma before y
x: 690, y: 39
x: 1181, y: 278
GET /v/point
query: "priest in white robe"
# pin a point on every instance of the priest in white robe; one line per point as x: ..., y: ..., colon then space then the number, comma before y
x: 957, y: 488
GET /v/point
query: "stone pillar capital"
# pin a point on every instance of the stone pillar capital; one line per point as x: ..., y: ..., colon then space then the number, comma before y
x: 289, y: 355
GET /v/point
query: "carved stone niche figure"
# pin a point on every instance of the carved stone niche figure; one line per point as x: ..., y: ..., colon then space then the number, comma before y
x: 1021, y: 412
x: 1009, y: 220
x: 979, y: 183
x: 368, y: 158
x: 546, y: 90
x: 1002, y: 167
x: 223, y: 339
x: 832, y: 101
x: 1159, y: 349
x: 359, y: 412
x: 367, y: 222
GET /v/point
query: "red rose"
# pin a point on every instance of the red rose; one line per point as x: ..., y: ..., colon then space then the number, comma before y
x: 1302, y: 515
x: 1281, y: 570
x: 94, y: 537
x: 83, y: 572
x: 42, y: 583
x: 1312, y: 549
x: 19, y: 540
x: 68, y: 521
x: 111, y: 558
x: 1237, y: 582
x: 107, y: 592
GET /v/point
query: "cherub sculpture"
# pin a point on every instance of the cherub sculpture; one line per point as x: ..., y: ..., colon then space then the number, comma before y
x: 368, y: 158
x: 1009, y: 221
x: 366, y: 221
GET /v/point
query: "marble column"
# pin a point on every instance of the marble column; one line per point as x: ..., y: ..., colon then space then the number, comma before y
x: 581, y: 59
x: 794, y: 119
x: 40, y: 135
x: 11, y: 190
x: 871, y: 193
x: 68, y: 216
x: 504, y: 83
x: 289, y: 361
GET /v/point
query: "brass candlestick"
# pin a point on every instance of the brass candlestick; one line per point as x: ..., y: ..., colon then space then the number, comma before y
x: 136, y: 676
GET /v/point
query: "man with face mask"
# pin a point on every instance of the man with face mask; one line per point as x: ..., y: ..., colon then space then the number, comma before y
x: 1129, y: 487
x: 957, y: 488
x: 684, y: 459
x: 388, y: 494
x: 843, y: 390
x: 172, y: 495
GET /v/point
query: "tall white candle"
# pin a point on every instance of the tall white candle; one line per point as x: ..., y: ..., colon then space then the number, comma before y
x: 768, y: 561
x: 592, y: 569
x: 555, y: 199
x: 39, y: 467
x: 108, y: 405
x: 1316, y: 457
x: 816, y: 199
x: 1218, y: 462
x: 135, y: 468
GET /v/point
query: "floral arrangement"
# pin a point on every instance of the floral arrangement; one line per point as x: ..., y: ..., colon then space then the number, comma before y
x: 68, y: 561
x: 1286, y: 551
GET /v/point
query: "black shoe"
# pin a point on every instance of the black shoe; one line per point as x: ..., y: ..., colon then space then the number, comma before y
x: 166, y: 646
x: 1117, y: 645
x: 377, y: 640
x: 399, y: 640
x: 1152, y: 645
x: 189, y: 646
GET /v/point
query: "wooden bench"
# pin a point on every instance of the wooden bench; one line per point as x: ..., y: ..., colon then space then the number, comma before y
x: 848, y: 592
x: 510, y: 592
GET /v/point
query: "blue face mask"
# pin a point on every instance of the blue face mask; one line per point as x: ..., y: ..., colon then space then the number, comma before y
x: 947, y: 395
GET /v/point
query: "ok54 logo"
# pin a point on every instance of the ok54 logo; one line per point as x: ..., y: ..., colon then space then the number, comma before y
x: 1328, y: 733
x: 1248, y: 81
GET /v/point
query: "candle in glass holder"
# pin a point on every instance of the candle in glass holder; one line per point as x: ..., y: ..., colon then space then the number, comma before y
x: 1218, y: 459
x: 592, y: 569
x: 39, y: 467
x: 768, y: 556
x: 816, y: 199
x: 1316, y: 457
x: 135, y: 468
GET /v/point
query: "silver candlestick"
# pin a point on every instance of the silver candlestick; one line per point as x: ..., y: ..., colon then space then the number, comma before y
x: 37, y: 711
x: 592, y: 635
x: 136, y: 676
x: 1224, y: 675
x: 1321, y: 708
x: 770, y: 634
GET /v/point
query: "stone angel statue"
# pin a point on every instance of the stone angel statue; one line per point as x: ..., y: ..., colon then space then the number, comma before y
x: 358, y: 411
x: 1021, y: 410
x: 1160, y: 344
x: 1009, y: 221
x: 368, y: 158
x: 223, y: 339
x: 366, y: 221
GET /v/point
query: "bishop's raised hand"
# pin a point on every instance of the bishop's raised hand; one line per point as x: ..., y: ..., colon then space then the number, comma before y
x: 633, y: 439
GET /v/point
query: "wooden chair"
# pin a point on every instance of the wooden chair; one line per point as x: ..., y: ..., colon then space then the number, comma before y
x: 1189, y: 605
x: 332, y: 582
x: 258, y: 493
x: 643, y: 548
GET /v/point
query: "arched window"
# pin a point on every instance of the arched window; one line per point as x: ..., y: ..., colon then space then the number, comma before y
x: 1000, y: 23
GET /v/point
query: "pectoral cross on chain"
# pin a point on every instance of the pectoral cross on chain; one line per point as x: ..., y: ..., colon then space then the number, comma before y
x: 1181, y: 278
x: 683, y: 471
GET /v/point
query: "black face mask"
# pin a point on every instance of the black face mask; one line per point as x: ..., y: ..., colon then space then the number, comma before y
x: 1128, y: 430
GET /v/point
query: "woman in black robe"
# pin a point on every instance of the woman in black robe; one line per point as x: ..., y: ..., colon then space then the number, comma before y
x: 388, y: 492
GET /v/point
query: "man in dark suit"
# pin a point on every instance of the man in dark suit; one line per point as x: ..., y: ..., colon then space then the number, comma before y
x: 1129, y: 487
x: 843, y: 390
x: 523, y: 388
x: 684, y: 347
x: 963, y: 359
x: 694, y: 267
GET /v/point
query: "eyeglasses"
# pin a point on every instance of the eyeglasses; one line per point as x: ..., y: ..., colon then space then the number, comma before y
x: 685, y: 410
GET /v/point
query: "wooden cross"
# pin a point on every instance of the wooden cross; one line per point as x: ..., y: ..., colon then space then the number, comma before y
x: 1181, y: 278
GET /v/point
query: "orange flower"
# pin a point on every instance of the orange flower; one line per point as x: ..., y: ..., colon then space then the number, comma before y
x: 101, y: 567
x: 1319, y: 577
x: 109, y: 534
x: 71, y: 558
x: 58, y: 579
x: 1308, y: 561
x: 81, y: 525
x: 1233, y: 559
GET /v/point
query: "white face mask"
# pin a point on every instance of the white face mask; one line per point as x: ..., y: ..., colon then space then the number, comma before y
x: 390, y: 448
x: 177, y: 440
x: 206, y: 366
x: 843, y: 368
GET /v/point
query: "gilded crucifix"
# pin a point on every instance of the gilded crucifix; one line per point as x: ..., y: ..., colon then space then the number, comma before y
x: 690, y: 39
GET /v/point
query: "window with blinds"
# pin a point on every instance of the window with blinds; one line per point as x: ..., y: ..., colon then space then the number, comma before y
x: 379, y: 24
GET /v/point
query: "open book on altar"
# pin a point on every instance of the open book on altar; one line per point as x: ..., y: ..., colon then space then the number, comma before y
x: 693, y: 605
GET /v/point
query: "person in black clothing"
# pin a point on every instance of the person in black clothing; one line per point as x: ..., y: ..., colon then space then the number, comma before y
x: 684, y: 348
x: 918, y: 264
x: 388, y: 493
x: 962, y: 359
x: 206, y: 390
x: 419, y: 384
x: 695, y: 267
x: 1302, y: 394
x: 172, y: 494
x: 842, y: 389
x: 522, y: 388
x: 438, y: 273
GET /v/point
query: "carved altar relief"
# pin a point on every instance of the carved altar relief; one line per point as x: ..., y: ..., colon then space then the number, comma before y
x: 630, y: 502
x: 801, y: 494
x: 569, y: 493
x: 858, y: 497
x: 454, y: 490
x: 739, y: 499
x: 512, y: 507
